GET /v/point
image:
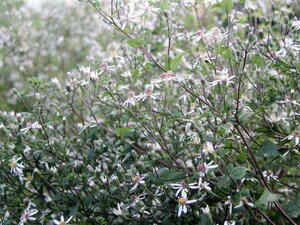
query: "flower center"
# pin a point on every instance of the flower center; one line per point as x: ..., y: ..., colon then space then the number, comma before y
x: 136, y: 179
x: 13, y: 163
x: 181, y: 201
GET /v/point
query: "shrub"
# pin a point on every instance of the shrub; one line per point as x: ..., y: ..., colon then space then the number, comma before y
x: 191, y: 119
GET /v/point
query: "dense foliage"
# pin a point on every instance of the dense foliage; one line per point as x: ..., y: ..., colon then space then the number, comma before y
x: 190, y: 116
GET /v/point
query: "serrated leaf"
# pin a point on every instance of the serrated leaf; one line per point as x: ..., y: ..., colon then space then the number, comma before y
x: 267, y: 148
x: 266, y: 197
x: 175, y: 62
x: 135, y: 43
x: 121, y: 131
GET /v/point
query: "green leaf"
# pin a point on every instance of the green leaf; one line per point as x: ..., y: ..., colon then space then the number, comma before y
x: 266, y: 197
x: 74, y: 209
x: 227, y: 5
x: 175, y: 62
x: 121, y: 131
x: 292, y: 207
x: 136, y: 43
x: 267, y: 148
x: 236, y: 173
x: 170, y: 175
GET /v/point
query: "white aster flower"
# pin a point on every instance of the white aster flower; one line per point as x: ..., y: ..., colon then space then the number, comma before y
x: 203, y: 168
x: 205, y: 210
x: 119, y: 211
x: 29, y: 126
x: 62, y: 221
x: 243, y: 202
x: 148, y: 94
x: 208, y: 148
x: 229, y: 202
x: 183, y: 202
x: 28, y: 214
x: 131, y: 17
x: 222, y: 78
x: 15, y: 166
x: 269, y: 175
x: 130, y: 100
x: 295, y: 135
x: 137, y: 180
x: 181, y: 188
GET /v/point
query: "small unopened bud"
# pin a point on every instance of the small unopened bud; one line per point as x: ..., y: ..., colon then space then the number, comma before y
x: 166, y: 14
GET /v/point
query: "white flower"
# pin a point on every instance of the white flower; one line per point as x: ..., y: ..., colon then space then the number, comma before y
x: 62, y: 220
x: 229, y: 223
x: 269, y: 175
x: 29, y: 126
x: 131, y: 16
x: 119, y: 211
x: 295, y: 135
x: 145, y: 7
x: 208, y: 148
x: 137, y: 180
x: 205, y: 210
x: 198, y: 36
x: 181, y: 188
x: 222, y: 78
x: 28, y: 214
x: 135, y: 199
x: 130, y: 100
x: 296, y: 24
x: 55, y: 81
x: 243, y: 202
x: 203, y: 168
x: 15, y: 167
x: 209, y: 3
x: 148, y: 94
x: 183, y: 202
x: 201, y: 185
x: 165, y: 77
x: 229, y: 202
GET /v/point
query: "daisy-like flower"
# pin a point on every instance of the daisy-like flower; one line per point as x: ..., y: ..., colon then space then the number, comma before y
x: 222, y: 78
x: 137, y: 180
x: 295, y: 24
x: 201, y: 185
x: 29, y: 126
x: 145, y: 7
x: 183, y: 202
x: 62, y: 221
x: 165, y: 77
x: 243, y: 202
x: 208, y: 148
x: 135, y: 199
x: 270, y: 175
x: 205, y: 210
x: 28, y: 214
x: 148, y: 94
x: 131, y: 17
x: 203, y: 168
x: 295, y: 135
x: 287, y: 45
x: 15, y: 166
x: 229, y: 202
x: 130, y: 100
x: 181, y: 188
x: 119, y: 211
x: 198, y: 36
